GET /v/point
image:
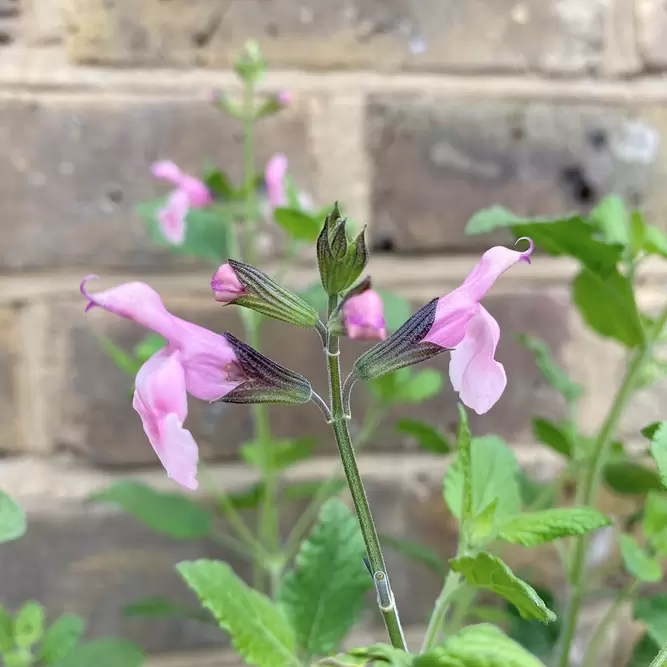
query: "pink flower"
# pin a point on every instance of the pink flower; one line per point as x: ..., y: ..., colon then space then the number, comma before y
x: 189, y: 193
x: 463, y: 324
x: 363, y: 316
x: 274, y: 177
x: 284, y: 97
x: 194, y: 360
x: 225, y: 284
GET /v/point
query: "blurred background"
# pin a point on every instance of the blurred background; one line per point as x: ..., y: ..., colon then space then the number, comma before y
x: 414, y: 114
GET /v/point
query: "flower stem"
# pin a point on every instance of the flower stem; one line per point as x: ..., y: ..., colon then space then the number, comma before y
x: 339, y: 424
x: 452, y: 584
x: 591, y: 478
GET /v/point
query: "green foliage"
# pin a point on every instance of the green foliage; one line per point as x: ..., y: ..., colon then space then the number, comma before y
x: 12, y: 519
x: 61, y: 638
x: 324, y: 595
x: 165, y: 512
x: 277, y: 455
x: 652, y: 611
x: 551, y: 371
x: 643, y: 652
x: 161, y: 606
x: 532, y: 529
x: 494, y: 477
x: 659, y: 450
x: 626, y: 477
x: 28, y: 626
x: 487, y: 571
x: 300, y: 225
x: 639, y: 563
x: 611, y: 218
x: 416, y: 551
x: 371, y: 655
x: 654, y: 523
x: 559, y: 436
x: 207, y: 231
x: 103, y: 652
x: 259, y: 630
x: 407, y: 386
x: 482, y: 646
x: 427, y: 435
x: 6, y: 631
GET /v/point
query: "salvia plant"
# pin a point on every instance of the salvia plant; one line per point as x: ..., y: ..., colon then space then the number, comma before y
x: 309, y: 589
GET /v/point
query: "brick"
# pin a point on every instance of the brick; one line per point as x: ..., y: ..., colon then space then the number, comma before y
x: 436, y: 161
x: 559, y: 36
x: 97, y: 419
x: 42, y: 21
x: 651, y: 25
x: 78, y: 164
x: 9, y: 370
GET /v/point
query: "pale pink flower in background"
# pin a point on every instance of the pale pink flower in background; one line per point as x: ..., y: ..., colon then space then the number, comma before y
x: 194, y: 360
x: 284, y: 97
x: 363, y: 316
x: 274, y: 178
x: 463, y: 324
x: 189, y: 193
x: 225, y: 284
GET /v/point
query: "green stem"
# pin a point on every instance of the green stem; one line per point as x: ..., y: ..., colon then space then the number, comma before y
x: 587, y: 489
x: 660, y: 660
x: 452, y: 584
x: 339, y: 424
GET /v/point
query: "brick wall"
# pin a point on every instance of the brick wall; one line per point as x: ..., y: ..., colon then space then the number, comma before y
x: 415, y: 113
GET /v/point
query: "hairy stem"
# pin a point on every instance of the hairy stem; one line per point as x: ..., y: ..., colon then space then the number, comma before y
x: 590, y: 479
x: 339, y: 424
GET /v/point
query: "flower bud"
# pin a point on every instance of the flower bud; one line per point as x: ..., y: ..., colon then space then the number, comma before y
x: 250, y: 65
x: 267, y: 381
x: 363, y: 316
x: 340, y: 261
x: 262, y: 294
x: 274, y: 103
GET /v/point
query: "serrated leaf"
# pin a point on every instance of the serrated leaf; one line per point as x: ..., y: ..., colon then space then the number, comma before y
x: 494, y: 476
x: 381, y: 653
x: 611, y: 218
x: 259, y: 630
x: 324, y: 595
x: 165, y: 512
x: 279, y: 454
x: 396, y: 309
x: 28, y: 624
x: 12, y: 519
x: 551, y: 371
x: 483, y: 646
x: 629, y: 478
x: 558, y: 436
x: 482, y: 529
x: 427, y: 435
x: 571, y: 236
x: 161, y: 606
x: 103, y: 652
x: 416, y: 551
x: 61, y: 638
x: 652, y: 611
x: 534, y: 528
x: 659, y: 451
x: 206, y: 236
x: 299, y: 225
x: 608, y: 306
x: 487, y: 571
x: 638, y: 562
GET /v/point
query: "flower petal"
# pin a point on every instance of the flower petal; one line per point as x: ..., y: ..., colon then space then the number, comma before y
x: 225, y: 284
x: 172, y: 216
x: 478, y: 378
x: 166, y: 170
x: 452, y: 314
x: 196, y: 191
x: 363, y: 316
x: 274, y: 177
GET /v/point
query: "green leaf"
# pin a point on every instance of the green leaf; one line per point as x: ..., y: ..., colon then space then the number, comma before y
x: 161, y: 606
x: 396, y: 309
x: 659, y: 451
x: 219, y: 184
x: 125, y: 361
x: 103, y: 652
x: 147, y: 347
x: 483, y: 528
x: 61, y: 638
x: 6, y: 631
x: 207, y: 231
x: 531, y: 529
x: 482, y: 646
x: 571, y: 236
x: 655, y: 242
x: 28, y: 624
x: 608, y: 306
x: 551, y: 371
x: 299, y: 225
x: 558, y: 436
x: 637, y: 233
x: 655, y: 521
x: 494, y: 476
x: 487, y: 571
x: 464, y: 458
x: 407, y: 386
x: 629, y: 478
x: 611, y: 218
x: 277, y: 454
x: 532, y: 490
x: 12, y: 519
x: 652, y: 611
x: 649, y: 430
x: 259, y: 630
x: 381, y: 653
x: 416, y: 551
x: 643, y: 652
x: 165, y: 512
x: 638, y: 563
x: 315, y: 296
x: 324, y: 595
x: 427, y: 435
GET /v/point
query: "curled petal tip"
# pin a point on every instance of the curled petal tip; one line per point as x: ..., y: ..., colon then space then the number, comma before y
x: 525, y: 256
x: 85, y: 292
